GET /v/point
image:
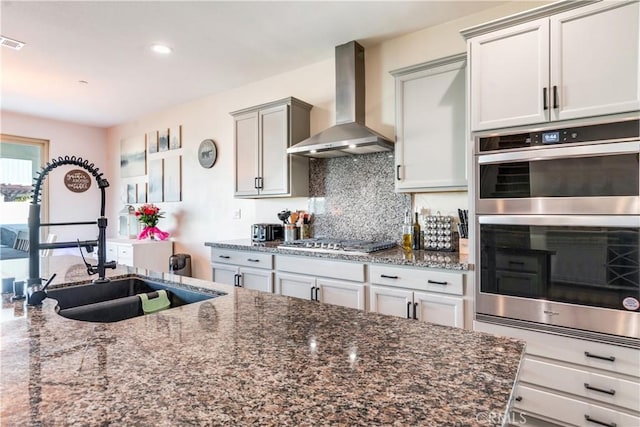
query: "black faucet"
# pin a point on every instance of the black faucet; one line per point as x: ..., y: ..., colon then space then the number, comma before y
x: 35, y: 293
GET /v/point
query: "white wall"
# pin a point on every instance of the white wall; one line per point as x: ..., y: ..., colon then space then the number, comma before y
x: 66, y: 139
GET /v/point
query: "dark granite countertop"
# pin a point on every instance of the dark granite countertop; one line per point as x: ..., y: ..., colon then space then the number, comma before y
x: 397, y: 256
x: 247, y: 358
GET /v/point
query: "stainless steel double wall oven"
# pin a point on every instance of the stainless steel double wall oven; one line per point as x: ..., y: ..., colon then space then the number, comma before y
x: 557, y: 215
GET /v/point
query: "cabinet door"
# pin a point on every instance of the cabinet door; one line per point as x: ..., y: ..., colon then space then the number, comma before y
x: 247, y: 154
x: 111, y: 252
x: 224, y: 273
x: 440, y: 309
x: 260, y: 280
x: 294, y: 285
x: 341, y: 293
x: 595, y: 59
x: 274, y: 136
x: 509, y: 73
x: 394, y: 302
x: 430, y: 151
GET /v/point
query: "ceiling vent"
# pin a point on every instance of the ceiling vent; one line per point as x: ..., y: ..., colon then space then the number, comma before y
x: 10, y: 43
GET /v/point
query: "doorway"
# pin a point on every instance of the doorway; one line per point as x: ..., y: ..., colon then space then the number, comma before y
x: 20, y: 159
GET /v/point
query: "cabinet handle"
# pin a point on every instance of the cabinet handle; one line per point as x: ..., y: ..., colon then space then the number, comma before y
x: 408, y: 310
x: 398, y: 172
x: 545, y: 104
x: 388, y: 277
x: 516, y: 262
x: 253, y: 260
x: 435, y: 282
x: 317, y: 290
x: 224, y: 256
x: 255, y: 183
x: 312, y: 288
x: 610, y: 391
x: 595, y: 356
x: 602, y: 423
x: 415, y: 310
x: 260, y: 185
x: 555, y: 97
x: 236, y: 280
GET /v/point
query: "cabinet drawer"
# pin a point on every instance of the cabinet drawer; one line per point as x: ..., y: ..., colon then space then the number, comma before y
x: 111, y: 253
x: 344, y: 270
x: 242, y: 258
x: 623, y: 360
x: 603, y: 388
x: 420, y: 279
x: 568, y: 410
x: 125, y: 252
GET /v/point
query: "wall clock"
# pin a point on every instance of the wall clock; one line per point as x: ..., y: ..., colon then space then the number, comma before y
x: 207, y: 153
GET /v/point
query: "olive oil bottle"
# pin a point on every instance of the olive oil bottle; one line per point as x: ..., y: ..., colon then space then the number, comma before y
x: 407, y: 232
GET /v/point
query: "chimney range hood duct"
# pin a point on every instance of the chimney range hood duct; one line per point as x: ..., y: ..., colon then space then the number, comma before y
x: 350, y: 135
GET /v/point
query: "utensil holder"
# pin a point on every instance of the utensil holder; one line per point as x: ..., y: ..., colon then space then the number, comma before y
x: 463, y: 246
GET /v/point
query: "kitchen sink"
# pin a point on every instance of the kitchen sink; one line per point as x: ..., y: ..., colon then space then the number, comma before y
x: 118, y: 299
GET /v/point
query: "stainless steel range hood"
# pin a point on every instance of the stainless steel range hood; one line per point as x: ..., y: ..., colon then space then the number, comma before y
x: 349, y: 136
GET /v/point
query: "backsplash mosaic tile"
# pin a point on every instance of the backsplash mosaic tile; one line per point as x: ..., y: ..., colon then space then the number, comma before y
x: 354, y: 198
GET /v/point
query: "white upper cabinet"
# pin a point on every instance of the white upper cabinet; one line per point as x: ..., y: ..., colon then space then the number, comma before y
x: 262, y: 135
x: 595, y: 59
x: 579, y: 63
x: 509, y: 75
x: 430, y: 126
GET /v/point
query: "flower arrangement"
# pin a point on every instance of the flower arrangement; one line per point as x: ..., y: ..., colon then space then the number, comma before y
x: 149, y: 215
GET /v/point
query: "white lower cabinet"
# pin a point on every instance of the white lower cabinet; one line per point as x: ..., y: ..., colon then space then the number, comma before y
x: 427, y: 295
x: 149, y: 254
x: 247, y: 269
x: 321, y: 280
x: 572, y: 382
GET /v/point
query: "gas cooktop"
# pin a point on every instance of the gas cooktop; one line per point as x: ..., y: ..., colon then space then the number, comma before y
x: 326, y: 245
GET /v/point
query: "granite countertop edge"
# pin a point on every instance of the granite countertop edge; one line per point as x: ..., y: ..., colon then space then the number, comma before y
x: 395, y: 256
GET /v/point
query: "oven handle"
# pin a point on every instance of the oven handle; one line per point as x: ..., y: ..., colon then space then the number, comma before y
x: 563, y: 220
x: 601, y: 148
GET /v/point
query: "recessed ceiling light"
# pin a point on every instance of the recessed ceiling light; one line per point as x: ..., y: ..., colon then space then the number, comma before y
x: 160, y: 48
x: 11, y: 43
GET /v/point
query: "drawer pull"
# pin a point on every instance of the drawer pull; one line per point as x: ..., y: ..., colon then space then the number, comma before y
x: 588, y: 387
x: 224, y: 256
x: 312, y: 289
x: 253, y: 260
x: 602, y: 423
x: 415, y: 310
x: 385, y: 276
x: 595, y: 356
x: 435, y: 282
x: 408, y: 310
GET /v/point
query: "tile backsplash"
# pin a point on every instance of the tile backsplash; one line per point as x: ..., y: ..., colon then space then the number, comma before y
x: 354, y: 198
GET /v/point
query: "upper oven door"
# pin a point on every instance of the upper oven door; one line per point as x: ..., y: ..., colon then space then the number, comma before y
x: 595, y: 179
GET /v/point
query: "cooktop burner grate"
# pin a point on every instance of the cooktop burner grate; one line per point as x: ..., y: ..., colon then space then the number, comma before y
x: 338, y: 245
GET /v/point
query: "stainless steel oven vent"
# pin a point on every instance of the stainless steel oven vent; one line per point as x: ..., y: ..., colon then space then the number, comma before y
x: 350, y: 135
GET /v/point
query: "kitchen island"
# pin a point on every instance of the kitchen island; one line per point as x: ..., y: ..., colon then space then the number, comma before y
x: 247, y: 358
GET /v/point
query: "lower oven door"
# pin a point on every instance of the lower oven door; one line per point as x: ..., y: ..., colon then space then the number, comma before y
x: 578, y: 272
